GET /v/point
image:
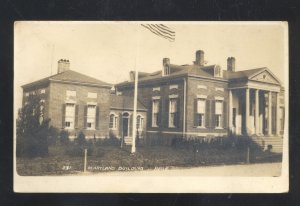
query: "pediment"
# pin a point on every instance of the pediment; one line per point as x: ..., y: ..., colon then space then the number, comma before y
x: 265, y: 77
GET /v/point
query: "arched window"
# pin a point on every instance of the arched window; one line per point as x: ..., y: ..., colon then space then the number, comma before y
x: 113, y: 119
x: 139, y: 122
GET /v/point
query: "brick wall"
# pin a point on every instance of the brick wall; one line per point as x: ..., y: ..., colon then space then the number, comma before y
x: 57, y: 101
x: 207, y: 88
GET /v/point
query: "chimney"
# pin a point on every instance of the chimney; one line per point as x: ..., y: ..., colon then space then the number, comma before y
x: 166, y: 67
x: 231, y: 64
x: 63, y: 65
x: 166, y: 61
x: 199, y: 58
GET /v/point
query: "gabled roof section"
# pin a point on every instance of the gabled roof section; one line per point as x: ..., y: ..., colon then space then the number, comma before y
x: 124, y: 102
x: 70, y: 76
x: 259, y: 74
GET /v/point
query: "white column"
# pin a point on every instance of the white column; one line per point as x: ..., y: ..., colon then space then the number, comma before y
x: 230, y: 111
x: 257, y: 122
x: 277, y: 115
x: 247, y: 110
x: 270, y: 113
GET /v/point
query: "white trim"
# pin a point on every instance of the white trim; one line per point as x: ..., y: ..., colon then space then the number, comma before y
x: 92, y: 103
x: 156, y: 97
x: 191, y: 133
x: 219, y: 89
x: 201, y: 86
x: 219, y: 98
x: 174, y: 86
x: 156, y: 89
x: 70, y: 101
x: 173, y: 96
x: 201, y: 96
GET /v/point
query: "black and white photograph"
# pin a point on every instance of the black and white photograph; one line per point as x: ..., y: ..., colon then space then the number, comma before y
x: 141, y: 106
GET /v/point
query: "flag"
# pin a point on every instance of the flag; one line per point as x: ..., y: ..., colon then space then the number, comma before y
x: 161, y: 30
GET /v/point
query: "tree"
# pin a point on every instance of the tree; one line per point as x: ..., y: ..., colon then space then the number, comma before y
x: 33, y: 129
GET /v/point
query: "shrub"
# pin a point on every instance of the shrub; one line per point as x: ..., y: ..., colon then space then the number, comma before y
x: 64, y: 137
x: 80, y: 139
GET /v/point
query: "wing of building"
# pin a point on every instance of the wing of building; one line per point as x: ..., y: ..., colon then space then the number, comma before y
x: 76, y: 102
x: 190, y: 101
x: 201, y: 100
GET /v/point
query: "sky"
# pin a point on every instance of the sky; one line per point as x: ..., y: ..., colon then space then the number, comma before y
x: 109, y: 50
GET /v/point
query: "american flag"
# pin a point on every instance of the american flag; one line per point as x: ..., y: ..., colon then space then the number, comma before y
x: 161, y: 30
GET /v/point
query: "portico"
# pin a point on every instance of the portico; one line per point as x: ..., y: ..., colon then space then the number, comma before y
x: 254, y: 105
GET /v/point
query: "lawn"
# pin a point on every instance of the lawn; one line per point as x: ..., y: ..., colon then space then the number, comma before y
x: 112, y: 158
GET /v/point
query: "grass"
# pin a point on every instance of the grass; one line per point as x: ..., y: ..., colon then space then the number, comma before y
x: 107, y: 158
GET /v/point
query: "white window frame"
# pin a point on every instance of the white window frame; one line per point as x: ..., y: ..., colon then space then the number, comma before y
x: 70, y: 118
x: 114, y: 124
x: 172, y: 118
x: 173, y: 86
x: 91, y: 118
x: 202, y: 114
x: 220, y: 89
x: 26, y: 94
x: 219, y: 115
x: 43, y: 91
x: 154, y: 122
x: 140, y: 123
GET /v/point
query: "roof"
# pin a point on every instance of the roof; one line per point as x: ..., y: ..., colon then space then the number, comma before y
x: 70, y: 76
x: 244, y: 74
x: 202, y: 71
x: 124, y: 102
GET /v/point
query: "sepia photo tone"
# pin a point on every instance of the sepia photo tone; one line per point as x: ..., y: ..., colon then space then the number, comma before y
x: 151, y: 107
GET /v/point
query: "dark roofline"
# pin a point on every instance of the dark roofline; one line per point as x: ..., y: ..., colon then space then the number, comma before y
x: 163, y: 78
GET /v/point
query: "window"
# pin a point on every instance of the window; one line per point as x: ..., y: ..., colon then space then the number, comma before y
x: 155, y: 112
x: 43, y: 91
x: 219, y: 113
x: 220, y: 89
x: 92, y: 95
x: 91, y: 116
x: 26, y: 94
x: 156, y: 89
x: 139, y: 122
x: 70, y: 93
x: 200, y: 113
x: 281, y: 118
x: 113, y: 119
x: 217, y: 71
x: 69, y: 116
x: 172, y: 112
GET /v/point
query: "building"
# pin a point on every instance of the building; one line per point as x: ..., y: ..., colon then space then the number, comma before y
x: 201, y: 100
x: 76, y: 102
x: 190, y: 101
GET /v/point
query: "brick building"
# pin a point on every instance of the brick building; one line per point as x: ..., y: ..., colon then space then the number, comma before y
x: 190, y: 101
x: 201, y: 100
x: 76, y: 102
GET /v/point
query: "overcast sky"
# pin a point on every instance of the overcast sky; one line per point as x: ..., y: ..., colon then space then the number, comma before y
x: 108, y: 51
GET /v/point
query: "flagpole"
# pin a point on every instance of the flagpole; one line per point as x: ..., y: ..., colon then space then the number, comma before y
x: 133, y: 147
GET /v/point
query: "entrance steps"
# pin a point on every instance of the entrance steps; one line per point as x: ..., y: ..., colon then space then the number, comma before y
x: 264, y: 142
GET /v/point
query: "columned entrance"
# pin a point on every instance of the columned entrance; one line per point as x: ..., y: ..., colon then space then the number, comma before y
x: 254, y: 111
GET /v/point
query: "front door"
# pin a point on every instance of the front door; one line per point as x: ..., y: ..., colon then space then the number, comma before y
x: 125, y: 127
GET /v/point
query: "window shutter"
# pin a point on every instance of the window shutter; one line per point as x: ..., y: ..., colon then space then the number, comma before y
x: 85, y: 116
x: 63, y: 114
x: 224, y: 114
x: 207, y: 114
x: 159, y: 114
x: 167, y: 113
x: 177, y: 114
x: 196, y: 116
x: 97, y: 118
x: 149, y: 123
x: 213, y: 114
x: 76, y: 116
